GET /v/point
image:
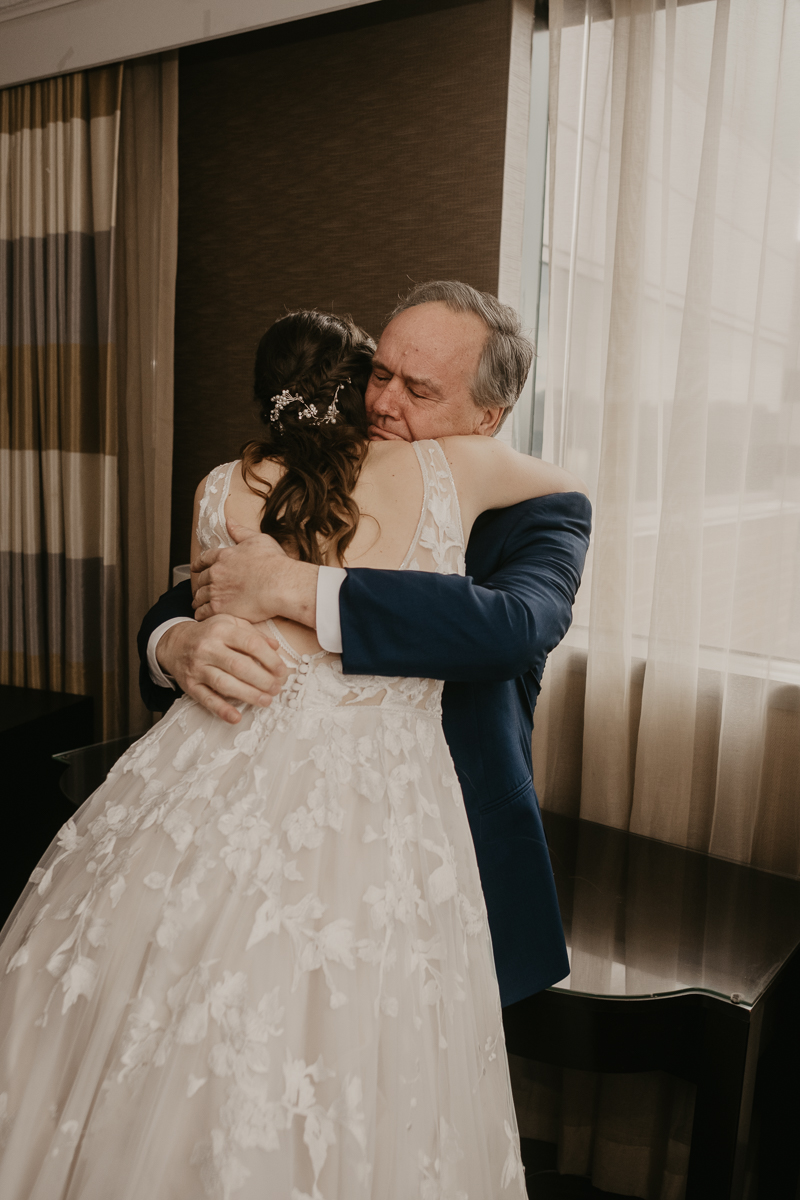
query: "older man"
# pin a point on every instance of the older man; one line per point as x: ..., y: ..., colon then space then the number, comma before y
x: 451, y: 360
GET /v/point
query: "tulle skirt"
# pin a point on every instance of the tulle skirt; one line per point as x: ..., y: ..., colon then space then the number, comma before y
x: 257, y: 965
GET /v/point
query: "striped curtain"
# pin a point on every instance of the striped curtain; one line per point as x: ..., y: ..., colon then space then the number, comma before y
x: 59, y: 509
x: 88, y: 250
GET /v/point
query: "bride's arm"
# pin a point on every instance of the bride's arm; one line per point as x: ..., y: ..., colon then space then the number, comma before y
x: 489, y: 474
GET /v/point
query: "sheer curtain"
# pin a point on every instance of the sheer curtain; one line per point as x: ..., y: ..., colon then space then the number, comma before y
x: 673, y: 707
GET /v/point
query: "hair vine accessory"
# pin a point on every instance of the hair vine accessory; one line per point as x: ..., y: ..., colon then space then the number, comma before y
x: 333, y: 408
x: 307, y: 413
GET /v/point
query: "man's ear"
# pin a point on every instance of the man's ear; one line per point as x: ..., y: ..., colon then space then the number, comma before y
x: 489, y: 421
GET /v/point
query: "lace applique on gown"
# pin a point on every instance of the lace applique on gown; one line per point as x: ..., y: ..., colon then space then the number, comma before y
x: 256, y: 965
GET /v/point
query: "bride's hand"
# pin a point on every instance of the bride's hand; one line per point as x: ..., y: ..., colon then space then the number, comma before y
x: 242, y: 580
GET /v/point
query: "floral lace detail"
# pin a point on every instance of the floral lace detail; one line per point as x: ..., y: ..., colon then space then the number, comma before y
x: 212, y: 529
x: 439, y: 544
x: 279, y: 931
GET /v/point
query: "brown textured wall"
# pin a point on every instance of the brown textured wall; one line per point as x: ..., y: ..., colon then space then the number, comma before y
x: 328, y: 163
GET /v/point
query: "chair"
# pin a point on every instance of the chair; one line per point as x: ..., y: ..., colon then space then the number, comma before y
x: 712, y: 947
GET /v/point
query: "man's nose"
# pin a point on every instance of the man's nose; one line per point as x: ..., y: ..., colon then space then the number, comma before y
x: 386, y: 401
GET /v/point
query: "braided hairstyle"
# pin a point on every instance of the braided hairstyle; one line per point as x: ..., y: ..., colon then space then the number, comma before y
x: 319, y: 358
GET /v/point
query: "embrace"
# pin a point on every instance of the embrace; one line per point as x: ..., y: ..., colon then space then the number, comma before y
x: 267, y: 958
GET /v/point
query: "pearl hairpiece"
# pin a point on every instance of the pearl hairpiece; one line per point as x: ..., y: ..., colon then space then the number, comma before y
x: 280, y: 402
x: 308, y: 412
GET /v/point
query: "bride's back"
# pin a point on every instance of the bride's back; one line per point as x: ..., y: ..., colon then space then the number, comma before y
x: 389, y: 494
x: 471, y: 474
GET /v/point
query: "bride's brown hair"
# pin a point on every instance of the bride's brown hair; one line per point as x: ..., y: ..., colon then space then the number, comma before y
x: 323, y: 362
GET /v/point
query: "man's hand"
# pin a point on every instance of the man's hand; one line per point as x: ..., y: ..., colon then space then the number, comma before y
x: 255, y: 580
x: 239, y: 579
x: 221, y: 660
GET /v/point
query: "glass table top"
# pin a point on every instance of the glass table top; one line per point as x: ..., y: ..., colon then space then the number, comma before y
x: 645, y: 918
x: 88, y: 767
x: 20, y: 705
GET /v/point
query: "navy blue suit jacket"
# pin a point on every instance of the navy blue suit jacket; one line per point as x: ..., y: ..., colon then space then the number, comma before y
x: 487, y: 635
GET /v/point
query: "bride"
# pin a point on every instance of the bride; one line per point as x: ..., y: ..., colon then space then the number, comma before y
x: 257, y: 963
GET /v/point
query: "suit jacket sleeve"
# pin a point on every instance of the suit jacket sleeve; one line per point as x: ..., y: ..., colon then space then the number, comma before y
x: 177, y: 602
x: 496, y: 624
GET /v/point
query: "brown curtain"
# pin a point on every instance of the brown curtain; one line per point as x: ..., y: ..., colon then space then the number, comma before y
x: 70, y: 166
x: 147, y: 242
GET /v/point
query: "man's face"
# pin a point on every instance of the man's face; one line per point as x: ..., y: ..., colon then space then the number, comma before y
x: 421, y: 375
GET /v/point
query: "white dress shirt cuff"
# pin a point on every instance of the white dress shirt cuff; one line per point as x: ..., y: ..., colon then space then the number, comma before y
x: 329, y: 625
x: 159, y: 677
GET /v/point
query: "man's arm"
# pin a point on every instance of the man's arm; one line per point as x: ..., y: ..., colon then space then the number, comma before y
x: 452, y: 627
x: 175, y: 603
x: 492, y: 625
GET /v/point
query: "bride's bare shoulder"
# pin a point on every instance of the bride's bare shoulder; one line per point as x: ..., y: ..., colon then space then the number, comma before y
x: 265, y: 472
x: 498, y: 476
x: 475, y: 448
x: 390, y: 457
x: 386, y: 451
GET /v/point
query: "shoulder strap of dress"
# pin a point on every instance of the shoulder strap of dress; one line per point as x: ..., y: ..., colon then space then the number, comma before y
x: 438, y: 489
x: 211, y: 517
x: 442, y: 483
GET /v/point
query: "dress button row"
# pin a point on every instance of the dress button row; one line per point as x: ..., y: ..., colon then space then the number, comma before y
x: 293, y: 689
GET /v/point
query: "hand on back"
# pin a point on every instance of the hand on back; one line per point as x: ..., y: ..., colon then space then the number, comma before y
x: 242, y: 580
x: 222, y: 657
x: 223, y: 661
x: 256, y: 580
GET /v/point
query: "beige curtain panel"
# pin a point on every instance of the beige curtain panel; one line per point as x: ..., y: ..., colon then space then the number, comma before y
x: 147, y: 260
x: 68, y: 543
x: 673, y: 707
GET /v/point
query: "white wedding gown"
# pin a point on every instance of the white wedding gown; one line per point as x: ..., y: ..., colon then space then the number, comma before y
x: 257, y: 963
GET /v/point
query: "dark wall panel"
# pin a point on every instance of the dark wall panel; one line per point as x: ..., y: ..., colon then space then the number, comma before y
x: 328, y: 163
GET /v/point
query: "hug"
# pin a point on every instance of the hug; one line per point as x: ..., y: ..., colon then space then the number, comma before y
x: 434, y: 833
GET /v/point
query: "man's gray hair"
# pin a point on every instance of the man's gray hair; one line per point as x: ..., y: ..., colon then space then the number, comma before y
x: 507, y: 355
